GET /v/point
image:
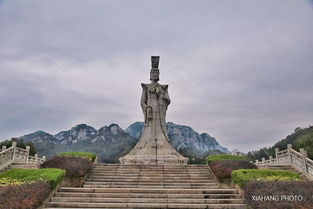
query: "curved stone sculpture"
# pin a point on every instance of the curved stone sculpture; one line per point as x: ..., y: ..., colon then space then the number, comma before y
x: 153, y: 146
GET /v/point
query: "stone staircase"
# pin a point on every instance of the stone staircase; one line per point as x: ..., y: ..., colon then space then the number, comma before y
x: 148, y: 186
x: 21, y: 165
x: 24, y: 165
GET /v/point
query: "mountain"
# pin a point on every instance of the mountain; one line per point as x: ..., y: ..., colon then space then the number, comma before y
x: 111, y: 142
x: 300, y: 138
x: 185, y: 140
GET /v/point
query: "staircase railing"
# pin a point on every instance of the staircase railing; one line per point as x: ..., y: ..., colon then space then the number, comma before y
x: 289, y: 156
x: 16, y: 154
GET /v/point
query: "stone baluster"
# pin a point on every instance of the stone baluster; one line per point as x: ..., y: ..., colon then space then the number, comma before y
x: 44, y: 158
x: 27, y: 156
x: 3, y: 148
x: 276, y: 155
x: 271, y: 159
x: 14, y: 150
x: 36, y: 158
x: 289, y: 148
x: 304, y: 155
x: 263, y: 160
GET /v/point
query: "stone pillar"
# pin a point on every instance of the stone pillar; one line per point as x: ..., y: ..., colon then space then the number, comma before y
x: 36, y: 158
x: 289, y: 147
x: 276, y: 155
x: 304, y: 155
x: 263, y: 160
x: 27, y: 156
x: 257, y: 162
x: 271, y: 158
x: 44, y: 158
x: 3, y: 148
x: 14, y: 149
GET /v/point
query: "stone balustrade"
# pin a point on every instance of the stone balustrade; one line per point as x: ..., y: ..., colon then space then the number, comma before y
x: 16, y: 154
x: 289, y: 156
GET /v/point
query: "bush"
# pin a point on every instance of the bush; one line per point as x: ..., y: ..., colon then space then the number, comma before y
x: 9, y: 181
x: 24, y: 196
x: 51, y: 175
x: 212, y: 158
x: 242, y: 176
x: 223, y: 168
x: 283, y: 193
x: 89, y: 155
x: 74, y: 166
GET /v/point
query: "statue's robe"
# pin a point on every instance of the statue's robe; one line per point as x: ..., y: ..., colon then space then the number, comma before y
x: 153, y: 146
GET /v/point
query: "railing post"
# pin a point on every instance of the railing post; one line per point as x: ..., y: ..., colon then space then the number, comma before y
x: 3, y: 148
x: 257, y: 162
x: 304, y: 155
x: 14, y: 149
x: 36, y: 158
x: 28, y: 150
x: 271, y: 158
x: 276, y: 155
x: 289, y: 147
x: 263, y: 160
x: 44, y: 158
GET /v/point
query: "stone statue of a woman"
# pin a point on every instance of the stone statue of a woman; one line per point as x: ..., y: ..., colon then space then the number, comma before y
x: 153, y: 146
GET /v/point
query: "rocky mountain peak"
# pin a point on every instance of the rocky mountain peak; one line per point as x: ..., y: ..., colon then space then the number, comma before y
x: 80, y: 132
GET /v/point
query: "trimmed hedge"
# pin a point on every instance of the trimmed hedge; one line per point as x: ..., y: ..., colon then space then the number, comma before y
x: 74, y: 166
x: 5, y: 181
x: 24, y: 196
x: 223, y: 168
x: 89, y: 155
x: 279, y: 194
x: 242, y: 176
x: 51, y: 175
x: 212, y: 158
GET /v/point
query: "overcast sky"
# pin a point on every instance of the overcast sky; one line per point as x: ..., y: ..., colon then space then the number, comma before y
x: 239, y: 70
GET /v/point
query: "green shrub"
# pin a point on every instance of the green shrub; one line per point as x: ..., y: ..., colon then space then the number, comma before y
x: 89, y: 155
x: 242, y: 176
x: 212, y: 158
x: 5, y: 181
x: 74, y: 166
x: 223, y: 168
x: 51, y: 175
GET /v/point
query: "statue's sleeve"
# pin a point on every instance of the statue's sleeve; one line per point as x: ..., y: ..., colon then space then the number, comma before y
x: 143, y: 101
x: 166, y: 95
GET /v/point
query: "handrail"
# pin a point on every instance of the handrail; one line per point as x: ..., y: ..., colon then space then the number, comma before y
x: 289, y: 156
x: 17, y: 154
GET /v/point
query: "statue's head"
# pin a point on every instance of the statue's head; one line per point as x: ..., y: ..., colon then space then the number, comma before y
x: 154, y: 73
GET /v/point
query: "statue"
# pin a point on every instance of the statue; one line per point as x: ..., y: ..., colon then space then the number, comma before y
x: 153, y: 146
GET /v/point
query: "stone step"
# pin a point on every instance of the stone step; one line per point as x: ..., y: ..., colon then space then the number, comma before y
x: 174, y: 178
x: 140, y: 190
x: 159, y: 170
x: 143, y: 205
x: 152, y: 174
x: 146, y: 200
x: 150, y: 180
x: 152, y: 169
x: 149, y: 183
x: 151, y: 186
x: 149, y: 195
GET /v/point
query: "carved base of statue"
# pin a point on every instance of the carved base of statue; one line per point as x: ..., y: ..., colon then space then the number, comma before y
x: 153, y: 146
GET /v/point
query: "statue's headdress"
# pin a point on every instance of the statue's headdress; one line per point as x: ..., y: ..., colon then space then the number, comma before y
x: 154, y: 73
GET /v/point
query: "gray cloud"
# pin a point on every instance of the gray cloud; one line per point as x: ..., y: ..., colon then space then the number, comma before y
x: 239, y: 70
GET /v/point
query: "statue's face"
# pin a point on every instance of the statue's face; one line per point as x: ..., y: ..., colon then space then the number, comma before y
x: 154, y: 75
